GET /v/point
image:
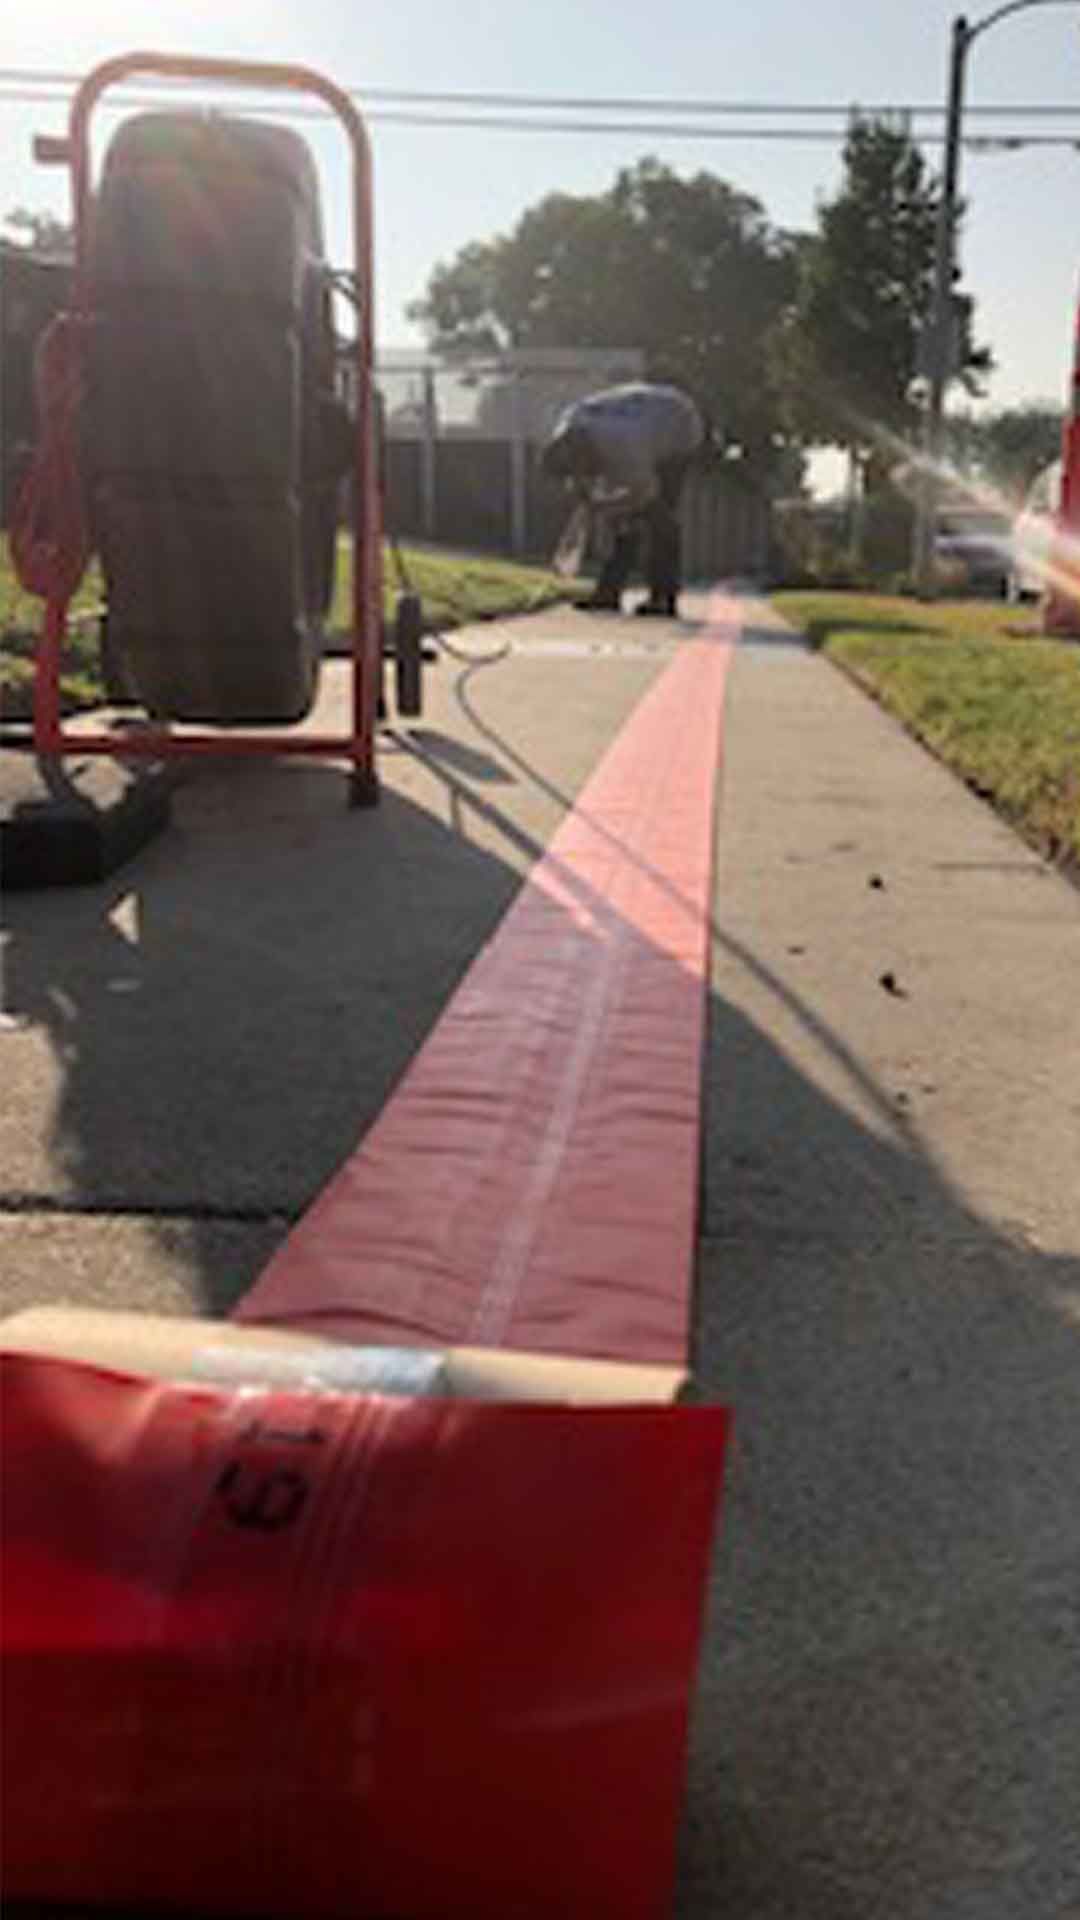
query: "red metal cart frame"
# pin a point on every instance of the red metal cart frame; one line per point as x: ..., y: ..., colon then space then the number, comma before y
x: 358, y: 746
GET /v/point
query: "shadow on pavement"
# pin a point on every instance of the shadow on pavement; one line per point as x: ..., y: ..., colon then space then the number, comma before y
x: 888, y: 1719
x: 459, y: 757
x: 774, y: 636
x: 889, y: 1713
x: 232, y: 1010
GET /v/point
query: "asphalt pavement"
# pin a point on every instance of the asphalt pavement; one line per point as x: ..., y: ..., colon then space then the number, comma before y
x: 888, y: 1716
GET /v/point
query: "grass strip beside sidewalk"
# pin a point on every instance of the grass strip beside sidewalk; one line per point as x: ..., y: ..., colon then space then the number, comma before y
x: 455, y: 589
x: 977, y: 683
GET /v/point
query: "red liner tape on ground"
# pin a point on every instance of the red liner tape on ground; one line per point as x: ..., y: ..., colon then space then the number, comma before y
x: 298, y: 1651
x: 291, y: 1652
x: 532, y: 1181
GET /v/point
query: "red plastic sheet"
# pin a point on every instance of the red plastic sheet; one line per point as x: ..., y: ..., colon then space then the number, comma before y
x: 532, y: 1182
x: 300, y: 1652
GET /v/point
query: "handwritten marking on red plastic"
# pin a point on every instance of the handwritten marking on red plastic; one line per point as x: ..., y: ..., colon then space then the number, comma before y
x: 291, y: 1652
x: 532, y: 1183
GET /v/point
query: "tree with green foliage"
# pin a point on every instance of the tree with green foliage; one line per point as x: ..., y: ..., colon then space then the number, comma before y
x: 1016, y: 443
x: 847, y: 353
x: 688, y: 270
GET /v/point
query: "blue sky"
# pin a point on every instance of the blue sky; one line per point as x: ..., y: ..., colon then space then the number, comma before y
x: 437, y: 189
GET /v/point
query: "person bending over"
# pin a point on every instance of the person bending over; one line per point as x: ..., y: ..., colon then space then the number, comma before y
x: 625, y: 452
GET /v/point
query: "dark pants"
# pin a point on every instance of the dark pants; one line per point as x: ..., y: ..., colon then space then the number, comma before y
x: 658, y: 523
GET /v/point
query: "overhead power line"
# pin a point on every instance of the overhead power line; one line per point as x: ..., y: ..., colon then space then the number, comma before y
x: 32, y: 87
x: 1000, y: 139
x: 38, y: 78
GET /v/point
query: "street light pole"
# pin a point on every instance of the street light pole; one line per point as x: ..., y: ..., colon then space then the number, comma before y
x: 937, y: 362
x: 938, y: 345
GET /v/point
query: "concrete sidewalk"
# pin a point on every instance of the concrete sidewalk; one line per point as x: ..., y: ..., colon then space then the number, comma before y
x: 889, y: 1716
x: 191, y: 1048
x: 888, y: 1720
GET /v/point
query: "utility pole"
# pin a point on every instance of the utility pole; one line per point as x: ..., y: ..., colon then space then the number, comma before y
x: 939, y: 334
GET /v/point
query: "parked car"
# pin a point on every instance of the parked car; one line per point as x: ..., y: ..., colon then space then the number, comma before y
x: 1033, y: 531
x: 973, y: 550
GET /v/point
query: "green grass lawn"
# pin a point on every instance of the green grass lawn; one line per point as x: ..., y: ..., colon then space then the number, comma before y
x: 978, y: 684
x: 455, y: 588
